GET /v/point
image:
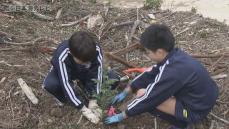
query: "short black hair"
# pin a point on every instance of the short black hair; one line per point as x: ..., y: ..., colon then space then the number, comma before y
x: 158, y: 36
x: 82, y: 45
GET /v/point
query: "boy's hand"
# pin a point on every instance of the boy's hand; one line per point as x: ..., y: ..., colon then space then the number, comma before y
x: 90, y: 115
x: 140, y: 92
x: 115, y: 119
x: 95, y: 108
x: 120, y: 97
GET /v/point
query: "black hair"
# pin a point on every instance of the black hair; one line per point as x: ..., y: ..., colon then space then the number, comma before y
x: 158, y: 36
x: 82, y: 45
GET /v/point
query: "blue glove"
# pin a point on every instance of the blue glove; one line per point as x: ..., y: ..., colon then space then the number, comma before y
x: 120, y: 97
x: 114, y: 119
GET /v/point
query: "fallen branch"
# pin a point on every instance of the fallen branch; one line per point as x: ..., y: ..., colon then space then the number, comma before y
x: 118, y: 59
x: 6, y: 49
x: 214, y: 65
x: 218, y: 71
x: 133, y: 30
x: 221, y: 119
x: 155, y: 123
x: 219, y: 101
x: 2, y: 80
x: 136, y: 38
x: 219, y: 76
x: 212, y: 124
x: 81, y: 116
x: 58, y: 13
x: 6, y: 63
x: 210, y: 56
x: 42, y: 16
x: 75, y: 22
x: 27, y: 90
x: 127, y: 49
x: 122, y: 24
x: 31, y: 42
x: 6, y: 15
x: 183, y: 31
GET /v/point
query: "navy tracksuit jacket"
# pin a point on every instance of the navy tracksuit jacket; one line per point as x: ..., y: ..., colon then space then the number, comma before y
x: 178, y: 75
x: 68, y: 70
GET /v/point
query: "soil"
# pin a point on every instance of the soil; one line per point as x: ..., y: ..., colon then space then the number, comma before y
x: 203, y: 36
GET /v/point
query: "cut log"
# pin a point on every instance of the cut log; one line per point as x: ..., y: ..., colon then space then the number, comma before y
x: 27, y: 90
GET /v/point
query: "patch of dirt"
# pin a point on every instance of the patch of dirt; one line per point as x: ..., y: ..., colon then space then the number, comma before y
x: 194, y: 34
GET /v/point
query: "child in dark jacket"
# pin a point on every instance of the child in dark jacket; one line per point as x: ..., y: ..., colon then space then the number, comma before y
x: 177, y: 89
x: 80, y: 58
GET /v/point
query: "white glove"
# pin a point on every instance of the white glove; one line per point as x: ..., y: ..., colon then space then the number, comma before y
x: 90, y: 115
x: 95, y: 108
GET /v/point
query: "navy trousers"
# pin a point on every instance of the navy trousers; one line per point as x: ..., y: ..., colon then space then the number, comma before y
x: 52, y: 85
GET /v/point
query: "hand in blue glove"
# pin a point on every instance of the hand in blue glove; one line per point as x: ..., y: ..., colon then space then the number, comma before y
x: 115, y: 119
x: 120, y: 97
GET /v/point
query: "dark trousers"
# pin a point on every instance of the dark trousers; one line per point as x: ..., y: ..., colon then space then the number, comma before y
x: 53, y: 86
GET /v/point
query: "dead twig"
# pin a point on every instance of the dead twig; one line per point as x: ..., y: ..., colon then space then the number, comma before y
x: 214, y: 65
x: 58, y: 13
x: 81, y: 116
x: 75, y: 22
x: 6, y: 49
x: 219, y: 101
x: 183, y: 31
x: 116, y: 58
x: 210, y: 56
x: 27, y: 90
x: 221, y: 119
x: 11, y: 107
x: 136, y: 38
x: 133, y: 30
x: 6, y: 63
x: 212, y: 124
x: 218, y: 71
x: 2, y: 80
x: 219, y: 76
x: 6, y: 15
x: 155, y: 123
x: 122, y: 24
x: 42, y: 16
x: 31, y: 42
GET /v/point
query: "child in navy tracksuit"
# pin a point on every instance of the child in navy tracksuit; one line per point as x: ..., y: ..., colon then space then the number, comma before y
x: 80, y: 58
x: 177, y: 89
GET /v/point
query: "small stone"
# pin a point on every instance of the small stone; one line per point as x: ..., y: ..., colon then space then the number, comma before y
x: 152, y: 16
x: 49, y: 120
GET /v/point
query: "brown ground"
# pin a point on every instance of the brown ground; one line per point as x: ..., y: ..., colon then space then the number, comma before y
x: 31, y: 62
